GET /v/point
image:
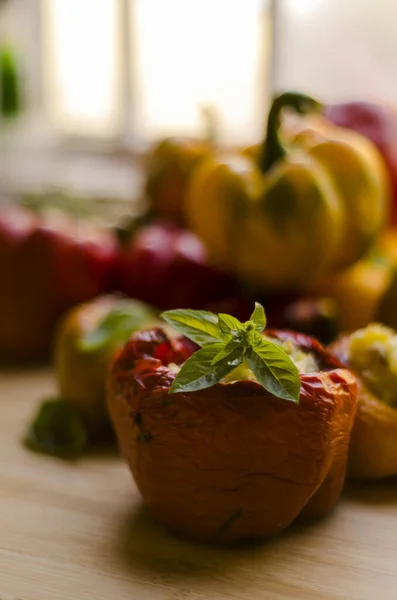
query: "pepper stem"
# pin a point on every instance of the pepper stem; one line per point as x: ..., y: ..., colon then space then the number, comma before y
x: 272, y: 148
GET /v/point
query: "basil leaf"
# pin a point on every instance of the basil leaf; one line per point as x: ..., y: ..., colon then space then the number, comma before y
x: 256, y: 339
x: 258, y: 317
x: 57, y: 429
x: 228, y: 349
x: 200, y: 326
x: 123, y: 319
x: 198, y: 372
x: 229, y: 325
x: 226, y: 342
x: 274, y: 370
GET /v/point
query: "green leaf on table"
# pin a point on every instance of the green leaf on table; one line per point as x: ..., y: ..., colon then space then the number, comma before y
x: 199, y: 372
x: 200, y: 326
x: 123, y: 319
x: 57, y: 429
x: 274, y: 370
x: 258, y: 317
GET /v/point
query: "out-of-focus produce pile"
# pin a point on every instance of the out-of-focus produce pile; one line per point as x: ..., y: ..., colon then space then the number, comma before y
x: 304, y: 221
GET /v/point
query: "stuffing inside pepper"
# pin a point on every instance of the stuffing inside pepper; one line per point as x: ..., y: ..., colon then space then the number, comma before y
x: 305, y: 362
x: 372, y: 353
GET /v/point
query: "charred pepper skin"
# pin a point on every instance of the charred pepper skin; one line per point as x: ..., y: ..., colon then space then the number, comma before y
x: 231, y: 462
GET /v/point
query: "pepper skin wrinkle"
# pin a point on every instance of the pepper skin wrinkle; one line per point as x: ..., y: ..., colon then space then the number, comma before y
x: 231, y: 462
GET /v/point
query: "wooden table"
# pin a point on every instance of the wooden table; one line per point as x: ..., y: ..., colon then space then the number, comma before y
x: 79, y: 532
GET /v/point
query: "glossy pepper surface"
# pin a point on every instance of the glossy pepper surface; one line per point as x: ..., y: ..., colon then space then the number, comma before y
x: 87, y: 341
x: 230, y: 462
x: 168, y: 266
x: 48, y: 264
x: 81, y: 376
x: 377, y: 122
x: 303, y: 210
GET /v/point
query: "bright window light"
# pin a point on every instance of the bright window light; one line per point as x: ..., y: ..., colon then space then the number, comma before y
x: 338, y: 49
x: 185, y: 54
x: 195, y: 53
x: 82, y: 65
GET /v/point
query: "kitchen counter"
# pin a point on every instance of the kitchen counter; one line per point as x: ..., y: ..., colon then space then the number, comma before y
x: 78, y: 531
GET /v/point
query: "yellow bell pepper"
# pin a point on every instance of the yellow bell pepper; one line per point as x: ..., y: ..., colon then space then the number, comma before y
x: 358, y: 291
x: 366, y: 291
x: 299, y: 212
x: 168, y: 170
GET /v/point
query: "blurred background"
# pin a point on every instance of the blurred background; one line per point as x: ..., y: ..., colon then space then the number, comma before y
x: 97, y: 81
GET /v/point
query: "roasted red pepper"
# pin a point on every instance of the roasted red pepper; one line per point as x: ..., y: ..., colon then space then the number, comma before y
x: 47, y: 264
x: 232, y: 461
x: 168, y: 267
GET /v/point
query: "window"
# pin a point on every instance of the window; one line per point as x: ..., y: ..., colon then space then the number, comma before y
x: 82, y: 65
x: 111, y: 75
x: 337, y: 49
x: 134, y: 70
x: 148, y: 68
x: 120, y: 73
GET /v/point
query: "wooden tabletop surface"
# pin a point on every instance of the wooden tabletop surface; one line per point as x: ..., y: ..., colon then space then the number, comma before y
x: 78, y: 531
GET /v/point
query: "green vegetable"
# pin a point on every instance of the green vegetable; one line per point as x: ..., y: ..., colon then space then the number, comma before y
x: 57, y: 430
x: 126, y: 317
x: 225, y: 344
x: 9, y: 84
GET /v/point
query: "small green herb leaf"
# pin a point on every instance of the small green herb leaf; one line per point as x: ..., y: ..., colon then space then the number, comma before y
x: 57, y: 430
x: 256, y: 339
x: 123, y: 319
x: 199, y: 372
x: 258, y: 317
x: 229, y: 325
x: 226, y: 343
x: 227, y: 350
x: 274, y: 370
x: 200, y: 326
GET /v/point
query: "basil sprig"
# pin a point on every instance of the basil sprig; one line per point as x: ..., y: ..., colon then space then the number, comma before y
x: 226, y: 343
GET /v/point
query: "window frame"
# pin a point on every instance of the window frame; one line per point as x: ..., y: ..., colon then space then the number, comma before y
x: 38, y: 145
x: 125, y: 141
